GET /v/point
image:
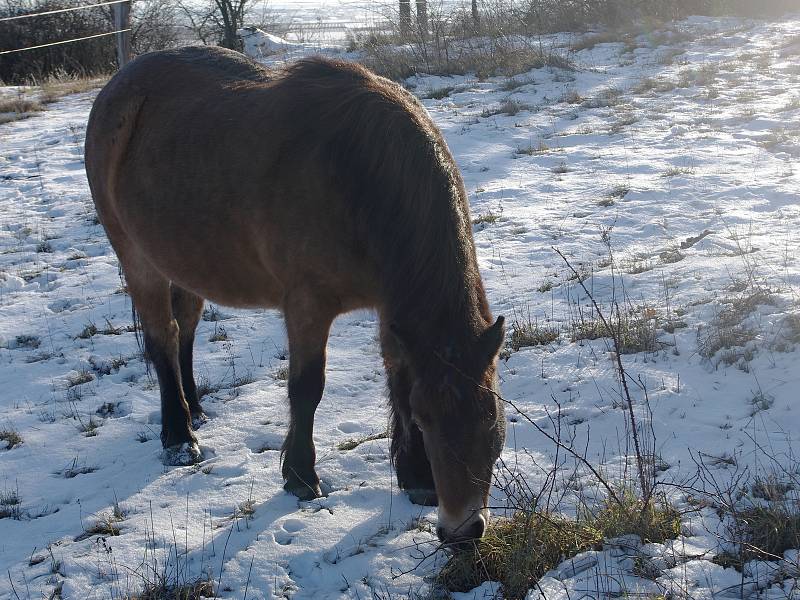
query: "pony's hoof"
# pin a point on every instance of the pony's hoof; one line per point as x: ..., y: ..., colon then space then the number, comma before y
x: 423, y: 497
x: 198, y: 419
x: 303, y: 491
x: 181, y: 455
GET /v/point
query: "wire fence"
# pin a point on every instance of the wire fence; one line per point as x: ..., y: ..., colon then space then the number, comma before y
x: 118, y: 31
x: 60, y: 10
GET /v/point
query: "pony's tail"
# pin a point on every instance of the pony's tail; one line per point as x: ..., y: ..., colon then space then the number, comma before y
x: 136, y: 320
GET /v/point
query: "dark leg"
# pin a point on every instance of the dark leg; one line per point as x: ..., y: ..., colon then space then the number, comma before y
x: 187, y: 308
x: 408, y: 448
x: 308, y: 322
x: 151, y: 297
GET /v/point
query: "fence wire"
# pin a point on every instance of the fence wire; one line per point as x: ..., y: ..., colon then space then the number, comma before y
x: 60, y: 10
x: 80, y: 39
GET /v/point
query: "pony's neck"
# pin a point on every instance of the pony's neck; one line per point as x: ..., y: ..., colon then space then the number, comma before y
x: 439, y: 316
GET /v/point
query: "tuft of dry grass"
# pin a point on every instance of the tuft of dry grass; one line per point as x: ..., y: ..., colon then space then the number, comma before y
x: 531, y: 149
x: 162, y: 590
x: 517, y: 552
x: 527, y: 332
x: 20, y: 106
x: 106, y: 525
x: 55, y: 88
x: 487, y: 218
x: 10, y: 505
x: 654, y: 521
x: 353, y: 443
x: 29, y: 101
x: 11, y: 437
x: 635, y: 329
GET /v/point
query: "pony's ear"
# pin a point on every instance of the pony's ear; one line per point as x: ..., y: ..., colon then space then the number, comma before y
x: 491, y: 340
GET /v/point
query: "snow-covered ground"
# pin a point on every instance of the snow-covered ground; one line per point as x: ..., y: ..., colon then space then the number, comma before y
x: 678, y: 157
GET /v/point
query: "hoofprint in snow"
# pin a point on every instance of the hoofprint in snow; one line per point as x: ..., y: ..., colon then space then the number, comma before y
x: 679, y: 157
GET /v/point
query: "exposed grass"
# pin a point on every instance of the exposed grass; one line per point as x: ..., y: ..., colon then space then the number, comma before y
x: 352, y: 443
x: 528, y: 332
x: 219, y: 335
x: 11, y: 438
x: 485, y: 57
x: 10, y: 505
x: 55, y: 88
x: 89, y: 428
x: 678, y: 172
x: 487, y: 218
x: 513, y: 83
x: 89, y: 330
x: 35, y: 99
x: 730, y: 330
x: 439, y: 93
x: 650, y: 84
x: 769, y: 531
x: 654, y: 522
x: 281, y: 373
x: 612, y: 36
x: 516, y: 552
x: 531, y: 149
x: 212, y: 314
x: 27, y: 341
x: 571, y: 97
x: 771, y: 488
x: 635, y: 329
x: 106, y: 525
x: 20, y: 106
x: 79, y: 378
x: 603, y: 98
x: 162, y: 590
x: 508, y: 107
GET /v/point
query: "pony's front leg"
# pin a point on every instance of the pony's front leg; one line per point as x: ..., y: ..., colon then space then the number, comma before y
x: 308, y: 321
x: 408, y: 448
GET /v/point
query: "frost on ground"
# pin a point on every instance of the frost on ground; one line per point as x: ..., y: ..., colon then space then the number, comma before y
x: 665, y: 171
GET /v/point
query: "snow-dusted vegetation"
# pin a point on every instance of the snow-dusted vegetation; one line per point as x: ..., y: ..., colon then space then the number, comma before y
x: 655, y: 185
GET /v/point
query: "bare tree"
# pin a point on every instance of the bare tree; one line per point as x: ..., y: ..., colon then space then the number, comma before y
x: 232, y: 13
x: 405, y: 17
x: 217, y: 21
x: 422, y: 17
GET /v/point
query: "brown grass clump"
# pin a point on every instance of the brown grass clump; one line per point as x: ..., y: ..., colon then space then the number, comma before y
x: 194, y: 590
x: 517, y: 552
x: 14, y: 108
x: 654, y: 521
x: 635, y: 329
x: 55, y: 88
x: 352, y: 443
x: 11, y: 438
x: 526, y: 333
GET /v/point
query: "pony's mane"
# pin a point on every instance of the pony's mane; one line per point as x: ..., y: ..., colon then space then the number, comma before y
x: 407, y: 196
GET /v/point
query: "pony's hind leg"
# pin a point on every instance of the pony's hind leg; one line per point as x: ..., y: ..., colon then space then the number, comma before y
x: 411, y: 463
x: 151, y: 296
x: 308, y: 321
x: 187, y: 309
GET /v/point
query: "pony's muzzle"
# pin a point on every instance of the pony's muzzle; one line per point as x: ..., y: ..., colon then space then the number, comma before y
x: 458, y: 531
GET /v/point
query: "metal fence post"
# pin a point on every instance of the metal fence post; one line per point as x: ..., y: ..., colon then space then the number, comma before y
x: 122, y: 20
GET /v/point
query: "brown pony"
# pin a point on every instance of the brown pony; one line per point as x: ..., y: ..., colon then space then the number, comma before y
x: 318, y: 189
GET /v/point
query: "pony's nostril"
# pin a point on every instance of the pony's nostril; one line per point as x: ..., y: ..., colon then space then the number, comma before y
x: 476, y: 529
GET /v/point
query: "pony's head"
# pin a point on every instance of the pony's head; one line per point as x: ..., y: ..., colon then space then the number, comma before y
x: 454, y: 402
